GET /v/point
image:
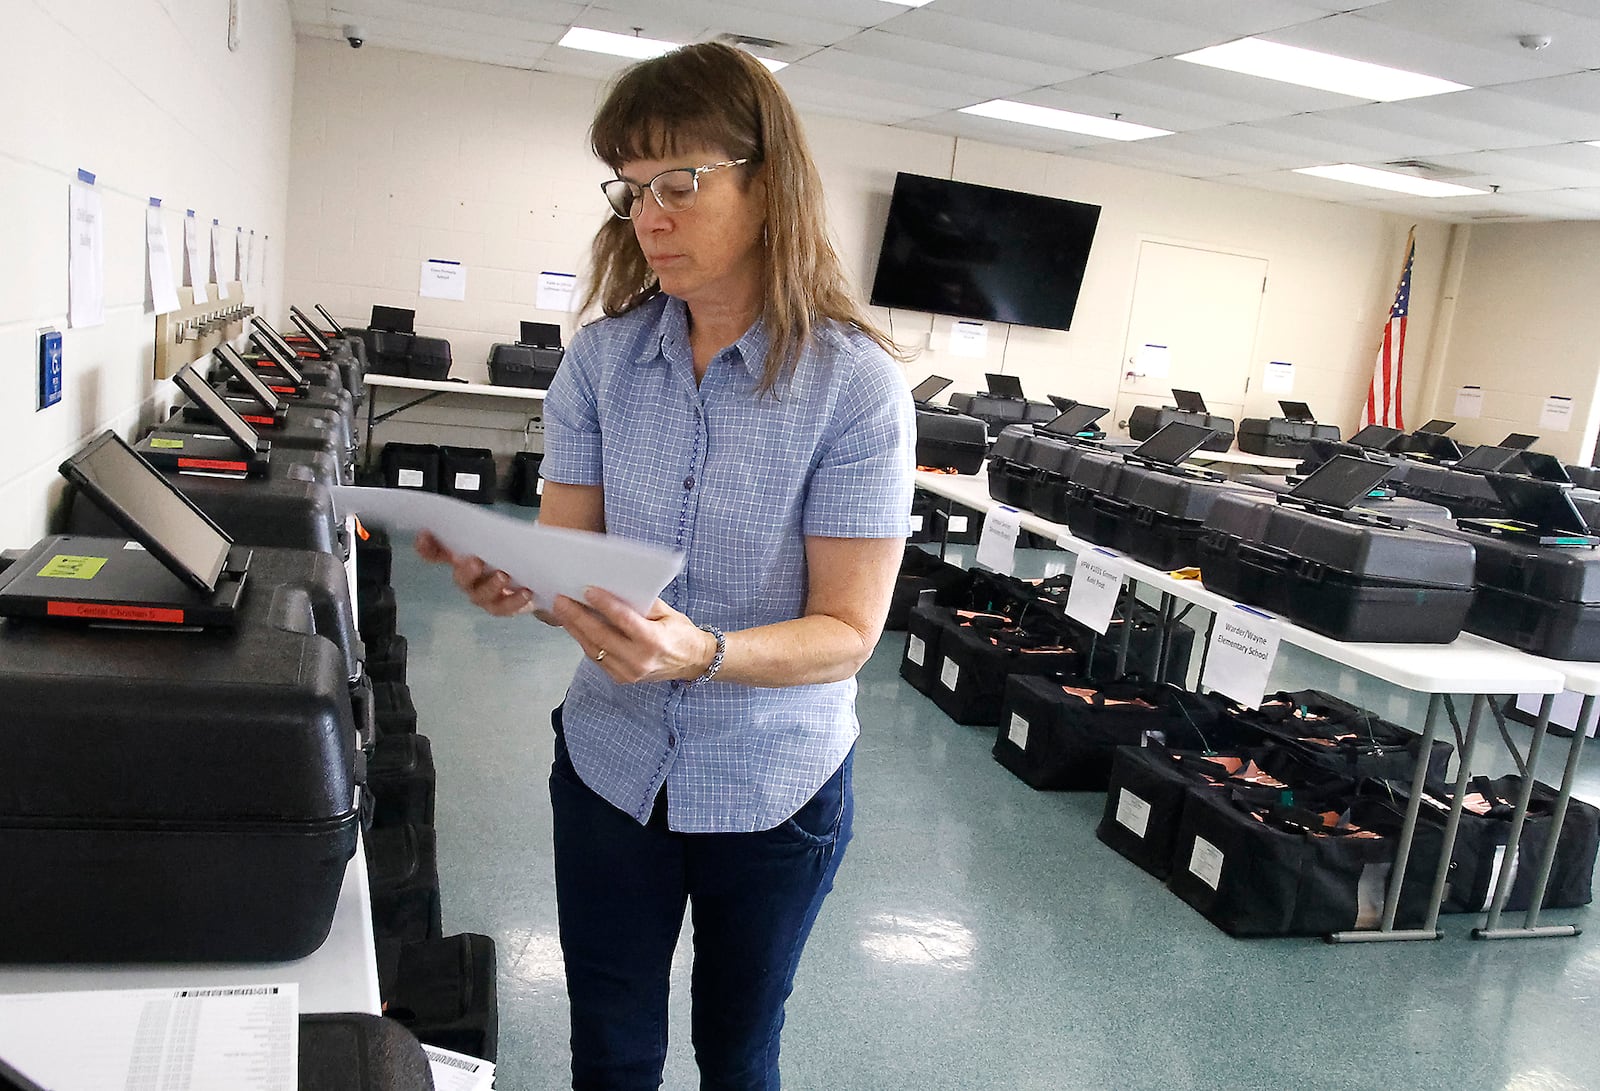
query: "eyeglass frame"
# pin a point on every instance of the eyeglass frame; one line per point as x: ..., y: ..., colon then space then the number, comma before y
x: 636, y: 191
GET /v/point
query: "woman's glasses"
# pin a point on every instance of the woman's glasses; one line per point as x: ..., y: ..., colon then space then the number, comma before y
x: 674, y: 190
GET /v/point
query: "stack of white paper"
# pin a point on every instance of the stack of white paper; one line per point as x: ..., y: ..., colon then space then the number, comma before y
x: 457, y: 1071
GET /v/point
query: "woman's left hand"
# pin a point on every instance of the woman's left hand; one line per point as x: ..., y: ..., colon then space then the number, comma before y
x: 656, y: 646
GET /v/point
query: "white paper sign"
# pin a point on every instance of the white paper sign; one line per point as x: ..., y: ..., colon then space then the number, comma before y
x: 1244, y: 645
x: 1018, y: 732
x: 969, y: 339
x: 457, y: 1071
x: 1279, y: 378
x: 194, y: 251
x: 163, y: 295
x: 1469, y: 403
x: 251, y: 275
x: 1557, y: 414
x: 1205, y: 862
x: 443, y: 279
x: 86, y: 259
x: 950, y: 674
x: 219, y: 264
x: 916, y: 650
x: 1096, y: 583
x: 997, y: 544
x: 555, y: 291
x: 1133, y: 812
x: 1153, y: 361
x: 240, y: 269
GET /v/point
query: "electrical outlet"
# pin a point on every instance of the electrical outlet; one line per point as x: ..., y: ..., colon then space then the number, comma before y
x: 534, y: 427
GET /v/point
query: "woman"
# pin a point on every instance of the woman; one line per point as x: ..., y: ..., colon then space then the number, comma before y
x: 736, y: 405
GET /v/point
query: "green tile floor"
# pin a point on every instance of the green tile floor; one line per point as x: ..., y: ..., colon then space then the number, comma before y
x: 979, y: 935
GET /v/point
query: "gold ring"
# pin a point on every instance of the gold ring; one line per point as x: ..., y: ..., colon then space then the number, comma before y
x: 599, y: 655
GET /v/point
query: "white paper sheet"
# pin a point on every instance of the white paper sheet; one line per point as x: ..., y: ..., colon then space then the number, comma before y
x: 1279, y: 378
x: 457, y: 1071
x: 443, y: 279
x: 556, y: 291
x: 238, y: 264
x: 1096, y: 585
x: 219, y: 259
x: 546, y: 560
x: 1469, y: 403
x: 249, y: 261
x: 86, y: 258
x: 969, y: 339
x: 1244, y: 646
x: 1557, y: 414
x: 194, y: 249
x: 1153, y: 361
x: 163, y: 295
x: 240, y: 1038
x: 997, y: 543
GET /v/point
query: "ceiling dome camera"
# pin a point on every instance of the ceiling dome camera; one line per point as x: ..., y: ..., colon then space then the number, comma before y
x: 355, y: 36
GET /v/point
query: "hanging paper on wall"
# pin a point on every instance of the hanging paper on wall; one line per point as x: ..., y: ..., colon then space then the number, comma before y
x: 1153, y: 361
x: 443, y: 279
x: 969, y: 339
x: 219, y: 263
x: 1557, y: 414
x: 163, y: 296
x: 1469, y: 403
x: 194, y: 269
x: 86, y: 256
x: 1279, y: 378
x: 556, y: 291
x: 249, y: 262
x: 240, y: 269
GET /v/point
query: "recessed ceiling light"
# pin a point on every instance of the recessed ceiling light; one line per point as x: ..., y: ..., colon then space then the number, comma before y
x: 1324, y: 71
x: 1385, y: 179
x: 1593, y: 143
x: 617, y: 45
x: 909, y: 3
x: 1063, y: 120
x: 772, y: 65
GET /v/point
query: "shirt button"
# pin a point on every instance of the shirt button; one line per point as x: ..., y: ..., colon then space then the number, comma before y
x: 672, y: 740
x: 688, y: 482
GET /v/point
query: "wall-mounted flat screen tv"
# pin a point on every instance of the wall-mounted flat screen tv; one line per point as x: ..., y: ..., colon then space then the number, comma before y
x: 978, y: 252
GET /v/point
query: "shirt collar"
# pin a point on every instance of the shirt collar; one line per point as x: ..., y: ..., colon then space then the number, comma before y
x: 671, y: 339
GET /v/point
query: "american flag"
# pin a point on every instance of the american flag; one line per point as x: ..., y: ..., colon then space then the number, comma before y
x: 1384, y: 393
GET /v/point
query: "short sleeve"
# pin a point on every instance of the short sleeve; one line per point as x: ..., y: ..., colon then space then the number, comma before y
x: 572, y: 420
x: 862, y: 485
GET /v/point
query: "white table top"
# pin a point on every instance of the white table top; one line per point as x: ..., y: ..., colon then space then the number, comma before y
x: 1470, y: 664
x: 340, y: 976
x: 1241, y: 458
x: 402, y: 382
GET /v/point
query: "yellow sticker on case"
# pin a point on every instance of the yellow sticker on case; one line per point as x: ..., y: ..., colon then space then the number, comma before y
x: 66, y: 567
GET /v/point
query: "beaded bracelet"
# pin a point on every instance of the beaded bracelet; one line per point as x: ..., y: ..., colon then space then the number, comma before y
x: 716, y: 660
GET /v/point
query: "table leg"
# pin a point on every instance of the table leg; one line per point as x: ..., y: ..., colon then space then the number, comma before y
x: 1519, y: 816
x: 366, y: 454
x: 1127, y: 630
x: 1169, y: 608
x: 1530, y: 925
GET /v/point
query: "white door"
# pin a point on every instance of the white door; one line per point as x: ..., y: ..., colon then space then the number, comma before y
x: 1193, y: 327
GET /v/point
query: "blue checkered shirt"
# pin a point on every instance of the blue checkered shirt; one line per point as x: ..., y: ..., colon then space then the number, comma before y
x: 736, y: 481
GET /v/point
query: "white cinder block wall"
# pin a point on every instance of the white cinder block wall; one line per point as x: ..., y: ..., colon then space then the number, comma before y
x: 489, y: 166
x: 145, y: 94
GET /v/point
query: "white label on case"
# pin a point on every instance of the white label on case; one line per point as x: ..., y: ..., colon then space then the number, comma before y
x: 916, y: 650
x: 538, y: 487
x: 958, y: 524
x: 409, y: 479
x: 467, y: 482
x: 916, y: 524
x: 1133, y: 813
x: 134, y: 546
x: 1206, y: 862
x: 1019, y: 731
x: 950, y: 674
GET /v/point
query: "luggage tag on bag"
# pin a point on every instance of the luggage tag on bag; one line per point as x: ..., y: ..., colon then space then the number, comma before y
x: 1244, y: 646
x: 1096, y: 585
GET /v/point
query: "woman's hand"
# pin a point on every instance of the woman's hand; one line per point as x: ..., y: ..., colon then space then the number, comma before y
x: 490, y: 589
x: 656, y: 646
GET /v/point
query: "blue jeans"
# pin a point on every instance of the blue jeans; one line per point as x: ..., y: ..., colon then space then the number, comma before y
x: 621, y: 891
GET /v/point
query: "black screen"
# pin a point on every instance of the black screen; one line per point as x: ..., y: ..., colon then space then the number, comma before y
x: 284, y: 360
x: 297, y: 316
x: 1173, y: 443
x: 146, y: 505
x: 928, y: 388
x: 1062, y: 404
x: 1545, y: 505
x: 1433, y: 444
x: 1544, y: 467
x: 1080, y: 418
x: 1437, y: 427
x: 1003, y: 386
x: 1189, y: 401
x: 1521, y: 441
x: 1340, y: 482
x: 246, y: 374
x: 1486, y: 459
x: 544, y: 335
x: 189, y: 381
x: 978, y: 252
x: 1297, y: 411
x: 393, y: 319
x: 1377, y: 437
x: 333, y: 325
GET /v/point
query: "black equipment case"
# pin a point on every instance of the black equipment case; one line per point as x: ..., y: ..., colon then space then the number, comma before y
x: 1465, y: 494
x: 1343, y: 577
x: 1146, y: 420
x: 1156, y: 515
x: 357, y: 1052
x: 1279, y: 437
x: 950, y: 440
x: 1398, y: 508
x: 996, y: 412
x: 444, y: 991
x: 175, y: 797
x: 523, y: 365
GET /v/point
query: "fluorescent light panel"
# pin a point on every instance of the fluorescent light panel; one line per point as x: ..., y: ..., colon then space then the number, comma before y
x: 1324, y: 71
x: 909, y: 3
x: 1385, y: 179
x: 1593, y: 143
x: 1062, y: 120
x: 627, y: 45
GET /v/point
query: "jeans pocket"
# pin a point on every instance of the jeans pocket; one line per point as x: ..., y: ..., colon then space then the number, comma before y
x: 818, y: 820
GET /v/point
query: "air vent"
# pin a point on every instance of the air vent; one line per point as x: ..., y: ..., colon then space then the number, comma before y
x: 749, y: 41
x: 1501, y: 216
x: 1424, y: 169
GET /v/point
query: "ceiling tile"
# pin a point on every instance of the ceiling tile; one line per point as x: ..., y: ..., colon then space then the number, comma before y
x: 1558, y: 167
x: 806, y: 74
x: 962, y: 85
x: 1034, y: 43
x: 1352, y: 140
x: 1235, y: 18
x: 717, y: 17
x: 1106, y: 95
x: 391, y: 19
x: 939, y: 58
x: 1495, y: 26
x: 1157, y: 155
x: 1117, y: 28
x: 994, y: 132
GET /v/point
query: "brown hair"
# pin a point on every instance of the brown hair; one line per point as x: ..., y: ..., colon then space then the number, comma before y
x: 715, y: 96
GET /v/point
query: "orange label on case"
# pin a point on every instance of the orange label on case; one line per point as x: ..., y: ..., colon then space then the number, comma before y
x: 212, y: 464
x: 108, y: 612
x: 265, y: 422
